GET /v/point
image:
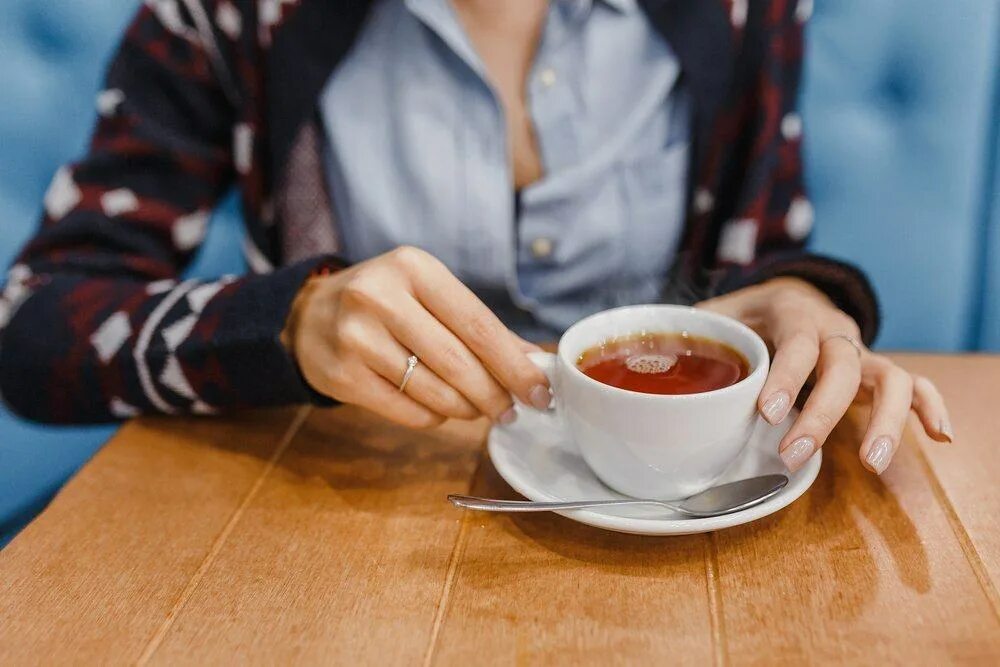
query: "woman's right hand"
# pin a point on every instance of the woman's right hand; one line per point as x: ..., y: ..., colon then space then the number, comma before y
x: 351, y: 333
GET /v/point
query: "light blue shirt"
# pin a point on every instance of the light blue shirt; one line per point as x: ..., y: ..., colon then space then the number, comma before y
x: 417, y: 155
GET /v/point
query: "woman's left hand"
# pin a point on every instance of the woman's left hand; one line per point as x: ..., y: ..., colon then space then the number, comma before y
x: 807, y: 334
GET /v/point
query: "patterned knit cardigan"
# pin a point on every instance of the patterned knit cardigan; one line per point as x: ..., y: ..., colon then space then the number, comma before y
x: 95, y: 323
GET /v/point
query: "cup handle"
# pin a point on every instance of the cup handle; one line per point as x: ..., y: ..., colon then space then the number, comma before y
x: 546, y: 362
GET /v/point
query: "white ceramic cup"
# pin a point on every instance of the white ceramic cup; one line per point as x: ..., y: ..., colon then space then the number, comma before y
x: 655, y: 445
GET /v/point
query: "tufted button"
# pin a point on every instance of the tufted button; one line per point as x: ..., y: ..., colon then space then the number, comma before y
x: 542, y: 247
x: 547, y: 77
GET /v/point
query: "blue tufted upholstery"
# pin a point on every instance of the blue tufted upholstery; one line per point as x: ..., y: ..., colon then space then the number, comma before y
x: 900, y: 110
x: 900, y: 102
x: 989, y: 324
x: 52, y: 56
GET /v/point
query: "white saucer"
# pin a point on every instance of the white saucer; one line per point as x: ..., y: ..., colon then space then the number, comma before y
x: 536, y: 456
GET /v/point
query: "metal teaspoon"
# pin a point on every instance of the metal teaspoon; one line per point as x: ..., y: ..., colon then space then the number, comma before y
x: 715, y: 501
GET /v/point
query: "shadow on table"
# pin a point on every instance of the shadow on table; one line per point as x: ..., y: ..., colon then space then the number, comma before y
x: 378, y: 467
x: 640, y: 554
x: 848, y: 523
x: 822, y: 536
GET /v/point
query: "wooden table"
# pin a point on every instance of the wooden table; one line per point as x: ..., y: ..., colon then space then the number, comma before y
x: 324, y: 537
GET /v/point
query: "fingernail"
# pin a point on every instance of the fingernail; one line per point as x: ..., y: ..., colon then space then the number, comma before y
x: 944, y: 427
x: 507, y: 417
x: 540, y: 397
x: 879, y: 454
x: 776, y: 407
x: 797, y: 453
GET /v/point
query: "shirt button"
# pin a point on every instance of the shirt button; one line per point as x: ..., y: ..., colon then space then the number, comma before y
x: 541, y: 248
x: 548, y: 77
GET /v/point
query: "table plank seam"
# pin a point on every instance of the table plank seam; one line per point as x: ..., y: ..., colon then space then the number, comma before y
x: 720, y: 655
x: 457, y: 552
x: 157, y: 639
x: 961, y: 534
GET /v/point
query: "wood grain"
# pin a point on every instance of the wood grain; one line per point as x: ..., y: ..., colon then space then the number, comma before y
x: 861, y: 570
x: 541, y: 589
x: 94, y: 577
x: 342, y: 556
x: 969, y: 471
x: 255, y: 540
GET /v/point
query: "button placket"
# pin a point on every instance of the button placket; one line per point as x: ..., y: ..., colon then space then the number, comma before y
x: 547, y: 77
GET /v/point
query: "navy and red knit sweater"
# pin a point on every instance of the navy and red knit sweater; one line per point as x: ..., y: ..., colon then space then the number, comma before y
x: 95, y: 324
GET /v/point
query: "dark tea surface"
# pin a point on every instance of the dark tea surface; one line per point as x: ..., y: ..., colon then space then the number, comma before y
x: 664, y: 363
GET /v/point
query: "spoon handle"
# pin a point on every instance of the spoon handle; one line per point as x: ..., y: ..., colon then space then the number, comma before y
x: 491, y: 505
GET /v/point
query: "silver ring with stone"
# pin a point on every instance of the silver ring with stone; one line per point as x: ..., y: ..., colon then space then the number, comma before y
x: 411, y: 365
x: 850, y: 339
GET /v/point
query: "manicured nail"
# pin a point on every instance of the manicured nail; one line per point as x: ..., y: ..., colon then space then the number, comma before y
x: 879, y: 454
x: 507, y: 417
x: 944, y: 428
x: 776, y: 407
x: 797, y: 453
x: 540, y: 397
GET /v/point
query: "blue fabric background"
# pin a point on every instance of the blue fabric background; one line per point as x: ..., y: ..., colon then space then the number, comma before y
x: 901, y: 111
x: 52, y: 57
x: 901, y: 104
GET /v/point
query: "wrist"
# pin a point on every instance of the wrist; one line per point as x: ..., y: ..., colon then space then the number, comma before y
x: 293, y: 321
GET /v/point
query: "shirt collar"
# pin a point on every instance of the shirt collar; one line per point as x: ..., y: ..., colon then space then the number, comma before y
x: 621, y: 6
x: 580, y: 10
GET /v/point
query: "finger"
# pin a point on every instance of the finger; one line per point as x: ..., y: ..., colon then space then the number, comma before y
x: 930, y: 408
x: 525, y: 346
x: 387, y: 357
x: 893, y: 394
x: 795, y: 358
x: 442, y: 352
x: 839, y: 374
x: 455, y: 306
x: 375, y: 393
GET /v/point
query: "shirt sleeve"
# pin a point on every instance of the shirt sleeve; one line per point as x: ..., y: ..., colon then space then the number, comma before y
x: 768, y: 238
x: 95, y: 324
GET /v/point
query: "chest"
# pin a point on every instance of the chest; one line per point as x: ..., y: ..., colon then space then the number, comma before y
x: 506, y: 36
x: 421, y: 144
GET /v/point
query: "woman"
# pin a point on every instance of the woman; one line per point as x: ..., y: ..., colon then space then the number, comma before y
x: 551, y: 159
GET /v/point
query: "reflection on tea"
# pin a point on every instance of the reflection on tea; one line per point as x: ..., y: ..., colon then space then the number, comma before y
x: 664, y: 363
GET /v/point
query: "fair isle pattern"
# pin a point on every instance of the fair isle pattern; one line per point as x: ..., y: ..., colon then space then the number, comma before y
x: 123, y: 336
x: 738, y: 13
x: 110, y: 336
x: 108, y: 102
x: 169, y: 14
x: 171, y: 376
x: 738, y: 241
x: 14, y: 293
x: 803, y: 10
x: 118, y: 202
x: 229, y: 20
x: 189, y: 230
x: 271, y: 13
x: 63, y: 194
x: 799, y: 221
